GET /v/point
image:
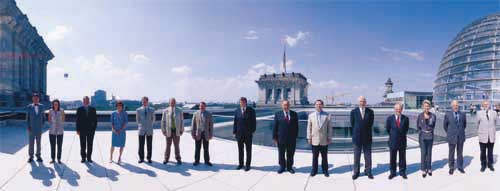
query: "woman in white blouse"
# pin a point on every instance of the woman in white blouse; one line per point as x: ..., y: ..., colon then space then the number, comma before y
x: 56, y: 131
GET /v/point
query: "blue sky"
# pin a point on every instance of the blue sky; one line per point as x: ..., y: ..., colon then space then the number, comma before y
x: 214, y: 51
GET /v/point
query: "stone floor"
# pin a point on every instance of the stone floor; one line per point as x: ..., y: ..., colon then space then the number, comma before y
x: 16, y: 174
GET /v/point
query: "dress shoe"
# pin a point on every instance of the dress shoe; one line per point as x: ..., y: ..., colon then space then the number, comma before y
x: 370, y: 175
x: 461, y: 170
x: 59, y: 161
x: 83, y: 160
x: 424, y: 175
x: 150, y: 161
x: 208, y: 164
x: 451, y: 171
x: 429, y: 173
x: 312, y: 174
x: 491, y: 167
x: 404, y: 176
x: 196, y: 163
x: 39, y: 159
x: 391, y: 176
x: 52, y: 161
x: 30, y: 160
x: 291, y: 171
x: 179, y: 162
x: 165, y: 161
x: 247, y: 168
x: 327, y: 174
x: 239, y: 167
x: 281, y: 170
x: 483, y: 168
x: 90, y: 160
x: 140, y: 161
x: 355, y: 176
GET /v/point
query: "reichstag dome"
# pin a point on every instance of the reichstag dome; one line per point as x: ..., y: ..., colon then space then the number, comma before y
x: 470, y: 68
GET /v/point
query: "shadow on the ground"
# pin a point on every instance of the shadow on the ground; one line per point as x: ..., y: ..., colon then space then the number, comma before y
x: 68, y: 174
x: 99, y: 171
x: 137, y: 170
x: 40, y: 172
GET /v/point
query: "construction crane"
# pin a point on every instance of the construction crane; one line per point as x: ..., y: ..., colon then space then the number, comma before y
x: 331, y: 99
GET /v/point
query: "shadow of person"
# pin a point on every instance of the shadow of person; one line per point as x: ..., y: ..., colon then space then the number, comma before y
x: 138, y: 170
x: 66, y: 173
x: 99, y: 171
x: 308, y: 169
x: 181, y: 169
x: 467, y: 160
x: 40, y: 172
x: 415, y: 167
x: 341, y: 169
x: 380, y: 169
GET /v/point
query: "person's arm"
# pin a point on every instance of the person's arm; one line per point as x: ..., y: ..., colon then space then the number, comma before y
x: 407, y: 124
x: 309, y: 129
x: 387, y: 126
x: 138, y: 116
x: 125, y: 122
x: 329, y: 129
x: 211, y: 127
x: 478, y: 118
x: 111, y: 119
x: 296, y: 124
x: 193, y: 126
x: 419, y: 122
x: 182, y: 122
x: 253, y: 121
x: 94, y: 118
x: 163, y: 123
x: 275, y: 128
x: 49, y: 118
x: 372, y: 117
x: 153, y: 117
x: 465, y: 121
x: 28, y: 119
x: 352, y: 120
x: 235, y: 121
x: 445, y: 123
x: 78, y: 122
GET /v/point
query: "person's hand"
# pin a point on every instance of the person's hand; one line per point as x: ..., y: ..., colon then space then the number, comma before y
x: 78, y: 133
x: 164, y: 133
x: 29, y: 130
x: 275, y: 142
x: 328, y: 141
x: 210, y: 137
x: 309, y: 141
x: 234, y: 134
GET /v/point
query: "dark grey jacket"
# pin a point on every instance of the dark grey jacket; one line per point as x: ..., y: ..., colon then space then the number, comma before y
x: 426, y: 130
x: 455, y: 132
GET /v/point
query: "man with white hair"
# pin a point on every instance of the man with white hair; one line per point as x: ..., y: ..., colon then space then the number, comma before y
x: 486, y: 130
x: 397, y: 126
x: 361, y: 123
x: 454, y: 124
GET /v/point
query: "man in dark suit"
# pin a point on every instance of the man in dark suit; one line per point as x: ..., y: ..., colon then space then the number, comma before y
x: 397, y: 127
x: 454, y: 124
x: 361, y: 123
x: 86, y: 124
x: 285, y: 131
x: 243, y: 129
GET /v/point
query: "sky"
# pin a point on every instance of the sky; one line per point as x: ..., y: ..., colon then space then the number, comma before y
x: 215, y: 50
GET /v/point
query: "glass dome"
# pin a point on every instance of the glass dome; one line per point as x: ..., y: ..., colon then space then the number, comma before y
x: 470, y: 68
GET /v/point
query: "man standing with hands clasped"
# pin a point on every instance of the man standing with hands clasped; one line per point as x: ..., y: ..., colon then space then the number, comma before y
x: 319, y: 135
x: 285, y: 131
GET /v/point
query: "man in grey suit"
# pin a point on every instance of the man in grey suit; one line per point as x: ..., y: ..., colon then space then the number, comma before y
x: 454, y: 124
x: 35, y: 119
x: 145, y: 118
x: 202, y: 128
x: 319, y: 135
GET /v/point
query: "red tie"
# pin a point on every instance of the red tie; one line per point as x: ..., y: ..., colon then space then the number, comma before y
x: 397, y: 122
x: 286, y: 118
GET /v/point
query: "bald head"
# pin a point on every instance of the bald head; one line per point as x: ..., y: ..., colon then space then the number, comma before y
x: 486, y: 104
x: 362, y: 101
x: 454, y: 105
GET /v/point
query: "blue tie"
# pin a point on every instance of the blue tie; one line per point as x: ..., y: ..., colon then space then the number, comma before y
x: 456, y: 117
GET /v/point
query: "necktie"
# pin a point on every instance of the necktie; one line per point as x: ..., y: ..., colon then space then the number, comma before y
x: 398, y: 122
x: 362, y: 113
x: 172, y: 119
x: 487, y: 116
x: 243, y: 112
x: 286, y: 117
x: 456, y: 117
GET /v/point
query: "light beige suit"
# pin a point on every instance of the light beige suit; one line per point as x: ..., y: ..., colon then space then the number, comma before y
x: 319, y: 130
x: 486, y: 128
x: 166, y: 122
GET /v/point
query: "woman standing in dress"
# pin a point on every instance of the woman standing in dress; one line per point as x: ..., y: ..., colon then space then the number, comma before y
x: 56, y: 121
x: 118, y: 124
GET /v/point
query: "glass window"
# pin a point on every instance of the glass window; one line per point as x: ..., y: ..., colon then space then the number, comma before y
x: 456, y: 77
x: 458, y: 69
x: 479, y: 75
x: 480, y: 66
x: 482, y: 48
x: 481, y: 56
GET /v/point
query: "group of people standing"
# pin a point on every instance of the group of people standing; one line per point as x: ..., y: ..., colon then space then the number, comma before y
x: 285, y: 131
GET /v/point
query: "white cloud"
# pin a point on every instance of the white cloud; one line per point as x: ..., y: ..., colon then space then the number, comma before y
x: 292, y: 41
x: 251, y: 35
x: 263, y: 68
x: 289, y: 65
x: 417, y: 55
x: 58, y: 33
x: 182, y: 70
x: 139, y: 58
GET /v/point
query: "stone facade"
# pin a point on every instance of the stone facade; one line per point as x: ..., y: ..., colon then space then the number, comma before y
x: 23, y: 58
x: 273, y: 88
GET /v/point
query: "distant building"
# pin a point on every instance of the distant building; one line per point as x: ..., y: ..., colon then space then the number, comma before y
x: 410, y: 99
x: 388, y: 87
x: 99, y: 99
x: 274, y: 88
x: 23, y: 58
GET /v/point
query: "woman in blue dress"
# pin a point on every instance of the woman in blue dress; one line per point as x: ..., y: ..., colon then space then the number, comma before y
x: 118, y: 124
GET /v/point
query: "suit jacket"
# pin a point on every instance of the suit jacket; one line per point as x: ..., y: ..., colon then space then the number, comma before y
x: 35, y: 121
x: 286, y: 132
x: 397, y: 135
x: 244, y: 124
x: 166, y: 121
x: 319, y: 132
x: 197, y: 123
x: 486, y: 128
x: 86, y: 122
x: 455, y: 132
x: 426, y: 130
x: 145, y: 118
x: 362, y: 127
